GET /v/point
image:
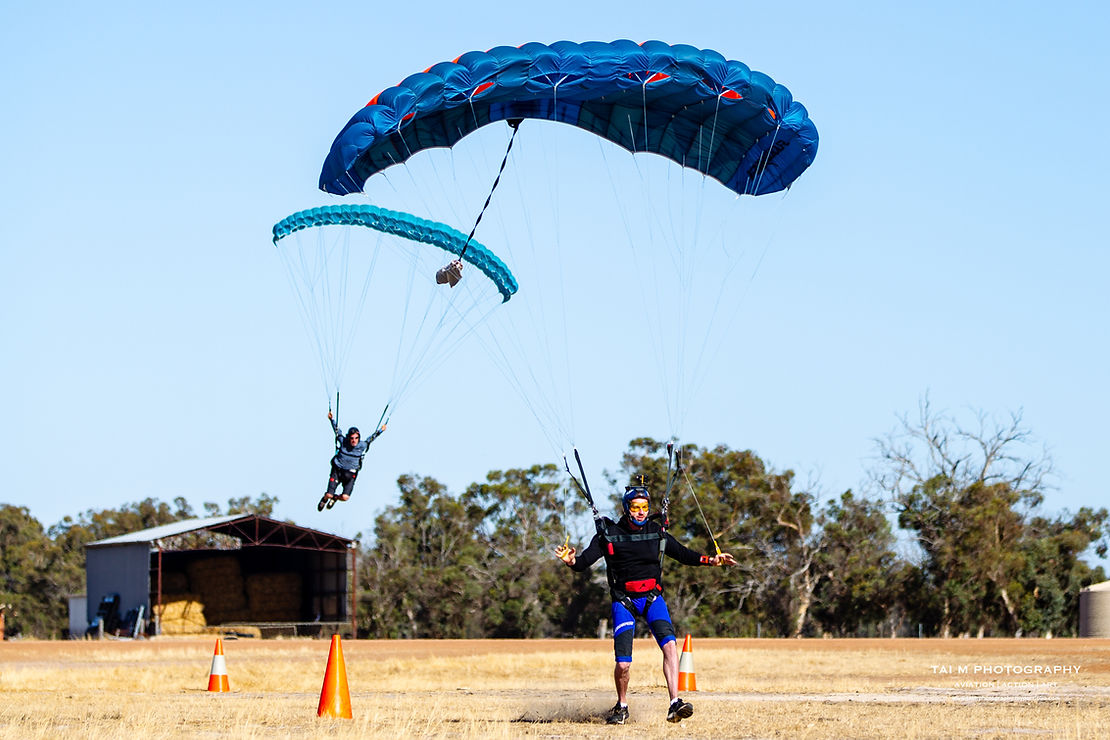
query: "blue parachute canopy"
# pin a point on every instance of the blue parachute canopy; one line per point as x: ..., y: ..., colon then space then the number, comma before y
x: 690, y: 105
x: 407, y: 226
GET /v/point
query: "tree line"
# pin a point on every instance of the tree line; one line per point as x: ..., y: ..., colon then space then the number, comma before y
x: 950, y: 538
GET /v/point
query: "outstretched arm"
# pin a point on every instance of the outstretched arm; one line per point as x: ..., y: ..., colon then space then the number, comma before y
x: 335, y: 426
x: 686, y: 556
x: 590, y: 555
x: 377, y: 433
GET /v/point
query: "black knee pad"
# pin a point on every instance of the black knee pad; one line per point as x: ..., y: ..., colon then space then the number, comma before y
x: 622, y: 643
x: 662, y: 629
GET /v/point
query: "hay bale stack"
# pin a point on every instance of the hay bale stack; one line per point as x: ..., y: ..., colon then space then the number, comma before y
x: 219, y: 582
x: 274, y: 597
x: 181, y: 614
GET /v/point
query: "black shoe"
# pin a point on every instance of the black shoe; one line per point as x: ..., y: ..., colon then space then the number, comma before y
x: 679, y: 710
x: 617, y: 715
x: 323, y: 502
x: 331, y: 501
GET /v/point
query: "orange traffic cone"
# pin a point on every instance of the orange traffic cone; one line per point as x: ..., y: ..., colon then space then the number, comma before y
x: 217, y: 678
x: 335, y: 697
x: 686, y: 679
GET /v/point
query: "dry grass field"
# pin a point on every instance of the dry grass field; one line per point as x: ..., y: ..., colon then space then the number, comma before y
x: 558, y: 689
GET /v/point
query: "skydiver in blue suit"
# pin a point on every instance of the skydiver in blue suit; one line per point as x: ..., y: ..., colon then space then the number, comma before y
x: 349, y: 451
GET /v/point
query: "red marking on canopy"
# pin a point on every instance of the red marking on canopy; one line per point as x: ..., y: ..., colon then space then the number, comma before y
x: 772, y: 114
x: 481, y: 88
x: 732, y: 95
x: 657, y: 77
x: 407, y: 116
x: 374, y: 100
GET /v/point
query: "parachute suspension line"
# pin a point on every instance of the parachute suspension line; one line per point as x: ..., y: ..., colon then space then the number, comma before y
x: 669, y: 307
x: 321, y: 278
x: 415, y: 184
x: 709, y: 352
x: 541, y: 395
x: 401, y: 136
x: 399, y: 356
x: 693, y: 381
x: 411, y: 366
x: 733, y: 319
x: 708, y: 529
x: 632, y: 134
x: 318, y: 308
x: 684, y: 248
x: 442, y: 331
x: 423, y: 342
x: 691, y: 375
x: 712, y: 134
x: 291, y: 263
x: 355, y: 187
x: 411, y: 363
x: 533, y: 329
x: 645, y: 263
x: 414, y: 187
x: 569, y: 431
x: 764, y: 160
x: 515, y: 124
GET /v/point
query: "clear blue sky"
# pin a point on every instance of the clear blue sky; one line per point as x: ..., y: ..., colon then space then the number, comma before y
x: 948, y: 239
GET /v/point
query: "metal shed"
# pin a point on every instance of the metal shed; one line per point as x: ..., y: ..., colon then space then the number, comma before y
x: 226, y: 571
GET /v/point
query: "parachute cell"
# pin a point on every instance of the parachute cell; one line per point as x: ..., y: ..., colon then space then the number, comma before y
x: 689, y: 105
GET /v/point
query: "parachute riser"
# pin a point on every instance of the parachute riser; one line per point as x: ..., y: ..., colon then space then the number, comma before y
x: 674, y: 466
x: 336, y: 415
x: 665, y: 504
x: 584, y: 488
x: 382, y: 417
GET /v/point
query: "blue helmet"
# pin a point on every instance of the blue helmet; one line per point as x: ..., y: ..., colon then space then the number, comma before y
x: 630, y: 494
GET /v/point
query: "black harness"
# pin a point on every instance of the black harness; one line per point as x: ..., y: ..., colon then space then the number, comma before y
x: 610, y: 534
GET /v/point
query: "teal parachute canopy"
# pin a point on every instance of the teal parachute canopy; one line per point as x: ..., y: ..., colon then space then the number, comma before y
x: 406, y: 226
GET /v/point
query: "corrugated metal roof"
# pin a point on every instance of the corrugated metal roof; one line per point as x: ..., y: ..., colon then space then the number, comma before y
x: 250, y: 529
x: 166, y: 530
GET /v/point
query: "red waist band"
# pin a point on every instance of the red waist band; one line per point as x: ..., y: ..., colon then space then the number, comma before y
x: 639, y: 587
